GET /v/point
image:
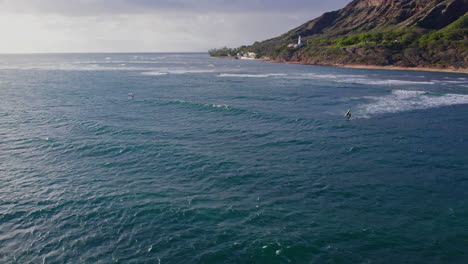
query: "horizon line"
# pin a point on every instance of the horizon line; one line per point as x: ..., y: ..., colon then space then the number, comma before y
x: 104, y: 52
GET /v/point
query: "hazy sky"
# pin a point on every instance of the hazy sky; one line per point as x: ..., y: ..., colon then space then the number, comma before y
x: 148, y: 25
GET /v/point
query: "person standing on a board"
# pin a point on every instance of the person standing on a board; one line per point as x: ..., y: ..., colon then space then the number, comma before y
x: 348, y: 114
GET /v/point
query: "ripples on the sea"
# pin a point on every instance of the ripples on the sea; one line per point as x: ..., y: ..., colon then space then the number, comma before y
x: 227, y: 161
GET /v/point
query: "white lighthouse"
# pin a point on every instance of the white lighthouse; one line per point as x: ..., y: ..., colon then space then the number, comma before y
x: 299, y: 42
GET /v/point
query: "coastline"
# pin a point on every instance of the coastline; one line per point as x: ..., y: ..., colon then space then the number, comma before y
x: 375, y: 67
x: 362, y: 66
x: 398, y: 68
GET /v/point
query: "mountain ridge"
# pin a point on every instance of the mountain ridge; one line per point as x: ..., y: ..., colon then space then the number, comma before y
x: 406, y: 33
x: 405, y: 12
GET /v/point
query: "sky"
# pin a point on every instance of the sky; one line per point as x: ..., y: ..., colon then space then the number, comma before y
x: 48, y: 26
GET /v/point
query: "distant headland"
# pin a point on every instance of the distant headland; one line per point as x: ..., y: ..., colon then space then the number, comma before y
x: 389, y: 34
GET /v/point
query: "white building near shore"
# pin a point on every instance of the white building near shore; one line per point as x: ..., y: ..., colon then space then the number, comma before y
x: 247, y: 56
x: 298, y: 45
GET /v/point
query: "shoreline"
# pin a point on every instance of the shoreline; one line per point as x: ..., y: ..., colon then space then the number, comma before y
x: 399, y: 68
x: 375, y: 67
x: 362, y: 66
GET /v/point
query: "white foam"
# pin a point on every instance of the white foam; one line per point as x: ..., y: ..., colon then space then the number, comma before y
x: 277, y: 74
x: 385, y: 82
x: 72, y: 67
x: 154, y: 73
x: 185, y: 71
x: 315, y: 76
x: 403, y: 100
x: 222, y: 106
x: 360, y: 79
x: 117, y: 62
x: 456, y: 82
x: 406, y: 93
x: 114, y: 66
x: 242, y: 75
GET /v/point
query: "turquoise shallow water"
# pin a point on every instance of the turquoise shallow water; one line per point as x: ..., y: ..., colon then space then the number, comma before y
x: 227, y: 161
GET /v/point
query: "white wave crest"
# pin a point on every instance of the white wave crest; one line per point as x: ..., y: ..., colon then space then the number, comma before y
x: 222, y: 106
x: 185, y: 71
x: 154, y: 73
x: 242, y: 75
x: 456, y: 82
x: 72, y: 67
x: 360, y: 79
x: 315, y: 76
x: 384, y: 82
x: 400, y: 82
x: 402, y: 100
x: 406, y: 93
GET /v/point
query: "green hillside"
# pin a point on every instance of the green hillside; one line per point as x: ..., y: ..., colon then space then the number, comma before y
x: 407, y: 33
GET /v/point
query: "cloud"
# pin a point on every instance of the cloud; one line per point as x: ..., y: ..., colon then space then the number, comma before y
x: 100, y: 7
x: 156, y: 32
x: 146, y: 26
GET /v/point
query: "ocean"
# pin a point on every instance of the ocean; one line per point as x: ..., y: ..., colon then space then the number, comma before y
x: 229, y: 161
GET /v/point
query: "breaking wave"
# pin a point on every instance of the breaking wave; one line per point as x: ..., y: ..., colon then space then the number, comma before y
x: 155, y: 73
x: 242, y: 75
x: 388, y: 82
x: 402, y: 100
x: 315, y: 76
x: 361, y: 79
x: 184, y: 71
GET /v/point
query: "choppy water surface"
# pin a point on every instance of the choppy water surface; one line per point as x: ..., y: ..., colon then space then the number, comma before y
x: 226, y: 161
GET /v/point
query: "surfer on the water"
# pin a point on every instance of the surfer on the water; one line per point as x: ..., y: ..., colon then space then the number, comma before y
x: 348, y: 114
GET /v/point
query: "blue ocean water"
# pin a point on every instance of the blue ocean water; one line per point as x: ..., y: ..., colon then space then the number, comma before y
x: 229, y: 161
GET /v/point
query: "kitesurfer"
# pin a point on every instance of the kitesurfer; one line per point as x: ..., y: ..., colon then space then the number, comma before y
x: 348, y: 115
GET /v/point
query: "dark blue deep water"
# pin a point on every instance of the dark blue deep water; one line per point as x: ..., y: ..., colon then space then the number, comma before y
x: 229, y: 161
